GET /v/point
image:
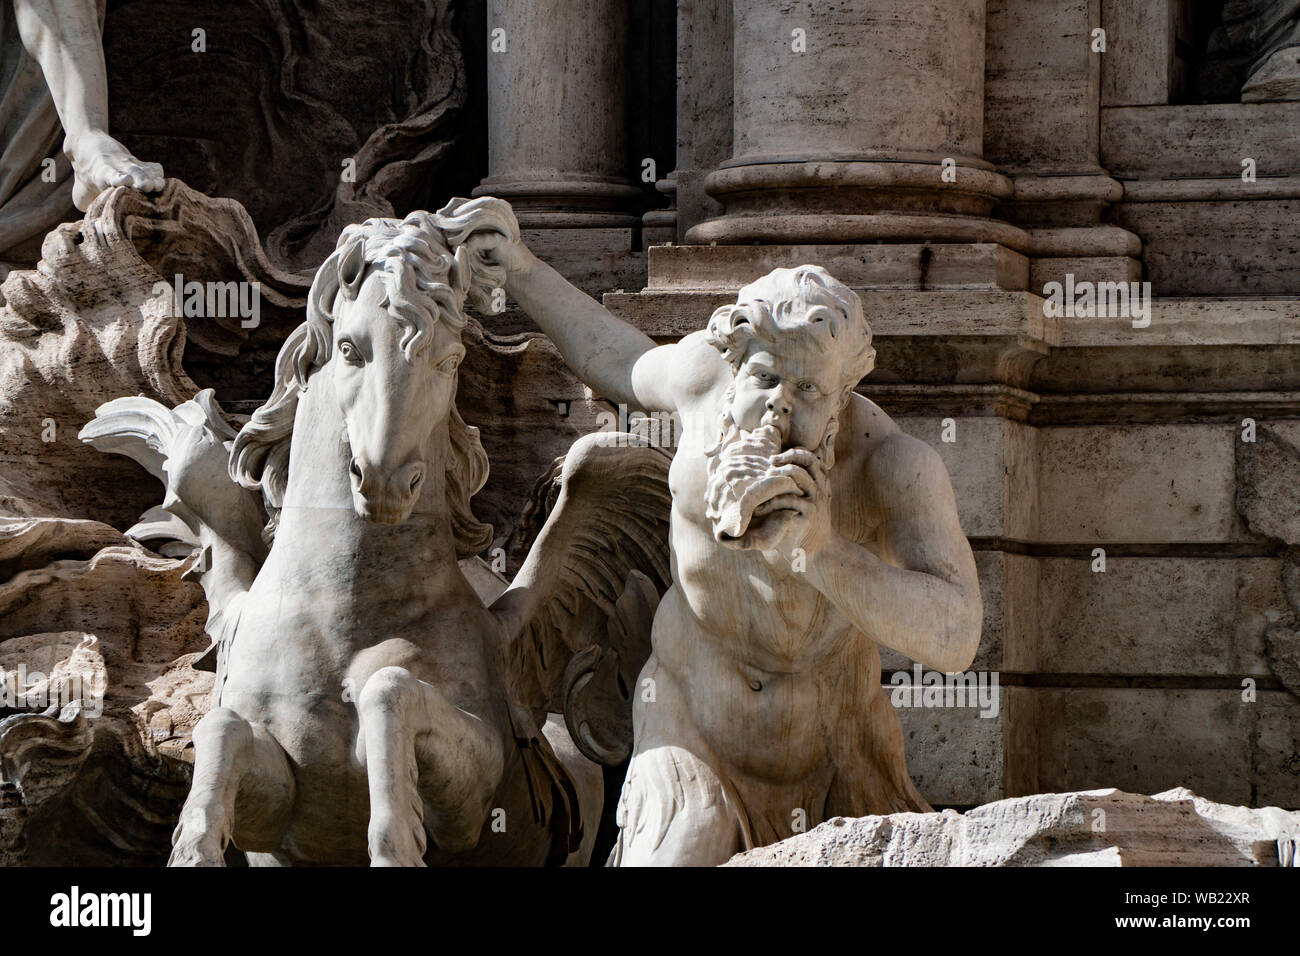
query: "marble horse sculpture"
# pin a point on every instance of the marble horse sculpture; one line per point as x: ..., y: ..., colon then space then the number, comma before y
x: 368, y: 703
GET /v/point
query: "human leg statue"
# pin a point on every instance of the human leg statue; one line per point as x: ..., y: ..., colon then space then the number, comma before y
x: 675, y: 809
x: 65, y: 37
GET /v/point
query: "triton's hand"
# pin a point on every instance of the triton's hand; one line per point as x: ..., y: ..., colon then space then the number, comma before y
x: 495, y: 249
x: 807, y: 516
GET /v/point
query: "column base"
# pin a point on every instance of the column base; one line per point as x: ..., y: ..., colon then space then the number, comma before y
x: 940, y: 199
x: 565, y: 203
x: 1062, y: 217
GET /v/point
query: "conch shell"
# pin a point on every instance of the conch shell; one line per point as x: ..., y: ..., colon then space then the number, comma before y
x: 731, y: 504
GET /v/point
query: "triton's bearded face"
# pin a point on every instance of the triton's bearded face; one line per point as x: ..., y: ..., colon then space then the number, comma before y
x: 781, y: 398
x: 796, y: 387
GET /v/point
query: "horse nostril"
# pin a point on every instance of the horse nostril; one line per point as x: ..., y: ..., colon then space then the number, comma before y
x: 354, y: 469
x: 415, y: 480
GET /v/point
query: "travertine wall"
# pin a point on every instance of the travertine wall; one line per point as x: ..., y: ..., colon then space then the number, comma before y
x: 1069, y: 433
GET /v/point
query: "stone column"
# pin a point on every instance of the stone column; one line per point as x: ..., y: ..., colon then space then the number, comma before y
x: 847, y: 116
x: 557, y: 113
x: 1043, y: 127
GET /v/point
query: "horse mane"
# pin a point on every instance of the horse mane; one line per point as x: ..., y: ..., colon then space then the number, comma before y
x: 425, y: 283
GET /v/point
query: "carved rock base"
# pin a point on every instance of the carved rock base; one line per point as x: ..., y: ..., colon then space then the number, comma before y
x: 1087, y: 828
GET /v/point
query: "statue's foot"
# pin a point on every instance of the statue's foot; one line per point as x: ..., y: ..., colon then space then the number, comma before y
x: 192, y: 847
x: 1278, y: 80
x: 101, y: 162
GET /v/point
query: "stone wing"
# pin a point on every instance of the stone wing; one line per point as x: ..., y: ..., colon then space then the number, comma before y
x: 580, y: 609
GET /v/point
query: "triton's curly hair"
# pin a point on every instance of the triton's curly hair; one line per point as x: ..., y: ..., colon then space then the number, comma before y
x: 765, y: 310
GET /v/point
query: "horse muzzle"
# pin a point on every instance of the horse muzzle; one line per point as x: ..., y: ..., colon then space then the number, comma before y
x: 385, y: 499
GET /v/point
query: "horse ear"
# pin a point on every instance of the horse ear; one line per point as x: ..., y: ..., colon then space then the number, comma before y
x: 351, y: 265
x: 464, y: 272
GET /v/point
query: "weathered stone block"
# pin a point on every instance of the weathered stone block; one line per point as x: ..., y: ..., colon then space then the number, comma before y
x: 1137, y: 483
x: 1218, y: 248
x: 1144, y: 615
x: 953, y: 754
x: 882, y: 266
x: 1146, y: 739
x: 1202, y: 141
x: 990, y: 462
x: 1137, y: 69
x: 1277, y: 750
x: 1091, y: 828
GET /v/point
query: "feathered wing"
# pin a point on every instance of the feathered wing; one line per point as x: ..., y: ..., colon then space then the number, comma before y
x: 187, y: 448
x: 579, y: 610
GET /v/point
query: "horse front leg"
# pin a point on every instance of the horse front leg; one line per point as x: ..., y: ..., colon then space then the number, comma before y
x: 242, y: 788
x: 431, y: 767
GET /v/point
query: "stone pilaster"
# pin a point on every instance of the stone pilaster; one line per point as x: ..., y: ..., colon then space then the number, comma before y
x: 557, y: 113
x: 1043, y: 132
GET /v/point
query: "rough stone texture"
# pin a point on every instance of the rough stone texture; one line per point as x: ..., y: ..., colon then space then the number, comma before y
x: 704, y: 104
x: 1243, y: 248
x: 1266, y: 486
x: 954, y: 754
x: 1157, y: 615
x: 1136, y: 483
x: 929, y: 80
x: 1137, y: 69
x: 990, y: 460
x: 1036, y: 116
x: 893, y: 266
x: 1088, y: 828
x: 1091, y: 737
x: 1204, y: 141
x: 76, y: 791
x: 537, y: 171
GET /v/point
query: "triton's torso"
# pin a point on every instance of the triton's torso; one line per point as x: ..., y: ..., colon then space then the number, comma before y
x: 751, y: 644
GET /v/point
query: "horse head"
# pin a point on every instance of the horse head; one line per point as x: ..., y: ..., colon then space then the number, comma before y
x: 394, y: 319
x: 384, y: 320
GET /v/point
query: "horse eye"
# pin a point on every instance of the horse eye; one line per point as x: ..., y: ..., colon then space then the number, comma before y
x: 449, y: 364
x: 807, y: 387
x: 349, y: 352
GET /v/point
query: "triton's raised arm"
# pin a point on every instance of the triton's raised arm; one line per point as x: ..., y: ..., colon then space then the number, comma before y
x: 613, y: 357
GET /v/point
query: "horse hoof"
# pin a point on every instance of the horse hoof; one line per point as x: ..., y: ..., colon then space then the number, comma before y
x: 197, y: 853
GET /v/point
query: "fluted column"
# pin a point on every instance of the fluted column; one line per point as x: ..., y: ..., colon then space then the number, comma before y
x: 844, y: 116
x: 557, y: 112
